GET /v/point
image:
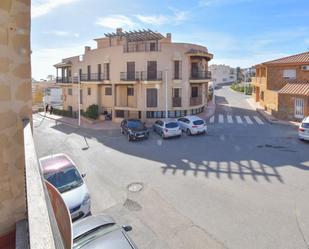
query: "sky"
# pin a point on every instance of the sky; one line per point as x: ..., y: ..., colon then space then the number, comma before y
x: 238, y: 32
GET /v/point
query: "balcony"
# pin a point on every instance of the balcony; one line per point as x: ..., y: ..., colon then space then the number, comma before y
x: 176, y: 102
x: 143, y: 47
x: 130, y: 76
x: 195, y: 101
x: 93, y: 77
x: 151, y: 75
x: 200, y: 75
x: 64, y: 80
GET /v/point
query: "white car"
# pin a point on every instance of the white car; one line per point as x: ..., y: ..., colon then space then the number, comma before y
x: 61, y: 172
x: 303, y: 130
x: 192, y: 125
x: 167, y: 128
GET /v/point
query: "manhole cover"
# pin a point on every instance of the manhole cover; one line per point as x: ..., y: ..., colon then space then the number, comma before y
x: 135, y: 187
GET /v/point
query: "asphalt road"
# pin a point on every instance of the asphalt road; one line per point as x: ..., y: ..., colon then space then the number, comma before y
x: 244, y: 185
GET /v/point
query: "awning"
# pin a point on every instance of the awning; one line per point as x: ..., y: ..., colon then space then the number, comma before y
x: 63, y: 64
x: 296, y: 88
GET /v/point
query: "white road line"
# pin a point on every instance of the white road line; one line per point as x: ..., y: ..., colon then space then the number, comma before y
x: 212, y: 119
x: 249, y: 121
x: 229, y: 119
x: 239, y: 120
x: 258, y: 120
x: 221, y: 119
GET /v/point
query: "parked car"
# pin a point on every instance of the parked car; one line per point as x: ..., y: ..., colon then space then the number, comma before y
x: 62, y: 173
x: 101, y: 232
x: 303, y: 130
x: 134, y: 129
x: 192, y: 125
x: 167, y: 128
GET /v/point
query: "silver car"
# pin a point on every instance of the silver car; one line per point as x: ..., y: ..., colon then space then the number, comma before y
x: 62, y: 173
x: 192, y: 125
x: 101, y: 232
x: 303, y: 130
x: 167, y: 128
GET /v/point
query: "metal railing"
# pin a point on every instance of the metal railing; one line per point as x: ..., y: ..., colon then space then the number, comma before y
x: 195, y: 101
x: 93, y: 77
x: 63, y: 79
x: 151, y: 75
x: 176, y: 102
x: 130, y: 76
x: 141, y: 47
x: 200, y: 75
x: 42, y: 226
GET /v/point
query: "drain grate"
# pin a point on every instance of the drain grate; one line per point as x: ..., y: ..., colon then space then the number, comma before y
x: 135, y: 187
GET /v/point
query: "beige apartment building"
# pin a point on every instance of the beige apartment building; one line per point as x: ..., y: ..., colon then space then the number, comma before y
x: 127, y: 73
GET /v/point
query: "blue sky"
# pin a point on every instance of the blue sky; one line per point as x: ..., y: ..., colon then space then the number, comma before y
x: 238, y: 32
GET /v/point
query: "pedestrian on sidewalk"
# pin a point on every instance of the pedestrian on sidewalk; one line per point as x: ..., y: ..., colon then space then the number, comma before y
x: 46, y: 108
x: 51, y: 110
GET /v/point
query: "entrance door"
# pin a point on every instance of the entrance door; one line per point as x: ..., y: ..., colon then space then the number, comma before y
x: 131, y: 70
x: 299, y: 108
x: 194, y: 70
x: 151, y: 70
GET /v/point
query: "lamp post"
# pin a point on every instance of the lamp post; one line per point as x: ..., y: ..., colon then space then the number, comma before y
x: 166, y: 99
x: 78, y: 96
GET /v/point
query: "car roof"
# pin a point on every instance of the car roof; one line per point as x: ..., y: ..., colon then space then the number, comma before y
x: 306, y: 120
x: 193, y: 118
x: 168, y: 120
x: 91, y: 222
x: 55, y: 162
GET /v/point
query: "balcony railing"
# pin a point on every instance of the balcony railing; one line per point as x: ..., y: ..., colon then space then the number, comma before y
x: 64, y: 80
x: 130, y: 76
x: 141, y: 47
x: 200, y: 75
x: 176, y: 102
x: 93, y: 77
x: 152, y: 75
x: 195, y: 101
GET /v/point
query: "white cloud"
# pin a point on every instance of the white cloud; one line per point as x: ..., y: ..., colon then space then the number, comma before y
x: 40, y: 8
x: 61, y: 33
x: 152, y: 19
x: 116, y: 21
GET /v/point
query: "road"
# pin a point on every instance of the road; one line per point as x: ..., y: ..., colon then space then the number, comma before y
x: 244, y: 185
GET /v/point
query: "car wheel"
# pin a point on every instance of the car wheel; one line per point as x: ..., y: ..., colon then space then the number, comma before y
x: 129, y: 138
x: 189, y: 132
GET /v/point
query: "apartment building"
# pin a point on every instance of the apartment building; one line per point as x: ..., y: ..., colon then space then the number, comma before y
x: 222, y: 74
x: 282, y: 86
x: 132, y: 74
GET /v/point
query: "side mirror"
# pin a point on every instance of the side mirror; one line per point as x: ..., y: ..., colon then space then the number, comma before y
x: 83, y: 175
x: 127, y: 228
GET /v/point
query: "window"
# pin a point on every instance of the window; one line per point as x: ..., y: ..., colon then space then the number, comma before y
x: 152, y: 97
x: 99, y: 72
x: 89, y: 91
x: 70, y: 91
x: 130, y: 91
x: 108, y: 91
x: 80, y: 74
x: 119, y: 113
x: 177, y: 92
x: 88, y: 72
x: 130, y: 70
x: 81, y: 96
x: 152, y: 46
x: 151, y: 70
x: 70, y: 109
x: 177, y: 70
x: 289, y: 73
x: 194, y: 91
x: 106, y: 70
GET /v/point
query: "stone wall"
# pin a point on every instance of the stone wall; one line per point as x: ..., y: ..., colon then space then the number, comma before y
x: 15, y: 105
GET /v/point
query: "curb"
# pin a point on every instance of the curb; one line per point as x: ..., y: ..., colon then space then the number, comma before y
x: 274, y: 121
x: 58, y: 121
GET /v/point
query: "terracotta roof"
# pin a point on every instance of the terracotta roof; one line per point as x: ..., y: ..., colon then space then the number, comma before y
x: 297, y: 58
x: 298, y: 88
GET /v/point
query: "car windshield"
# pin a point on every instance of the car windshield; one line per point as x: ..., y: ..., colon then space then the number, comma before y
x: 134, y: 124
x: 93, y: 234
x: 64, y: 179
x: 305, y: 125
x: 171, y: 125
x: 198, y: 122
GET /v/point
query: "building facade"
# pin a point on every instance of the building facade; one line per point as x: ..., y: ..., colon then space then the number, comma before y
x: 222, y: 74
x: 132, y: 74
x: 282, y: 86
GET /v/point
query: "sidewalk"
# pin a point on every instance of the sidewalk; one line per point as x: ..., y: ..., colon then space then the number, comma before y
x: 271, y: 119
x: 99, y: 125
x: 210, y: 110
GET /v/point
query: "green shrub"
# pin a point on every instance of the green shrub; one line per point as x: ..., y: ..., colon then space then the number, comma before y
x: 241, y: 89
x: 64, y: 113
x: 92, y: 112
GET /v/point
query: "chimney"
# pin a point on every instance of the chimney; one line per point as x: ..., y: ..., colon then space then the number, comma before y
x: 87, y: 49
x: 119, y: 31
x: 169, y: 36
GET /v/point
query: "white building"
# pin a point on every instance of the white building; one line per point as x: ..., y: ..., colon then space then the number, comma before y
x: 222, y: 74
x: 53, y: 96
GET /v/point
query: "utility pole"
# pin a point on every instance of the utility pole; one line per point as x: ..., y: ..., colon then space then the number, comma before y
x: 166, y: 99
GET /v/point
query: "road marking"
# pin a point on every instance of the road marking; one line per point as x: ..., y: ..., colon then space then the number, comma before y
x: 229, y: 119
x: 221, y: 119
x: 258, y: 120
x: 212, y: 119
x: 249, y: 121
x: 239, y: 120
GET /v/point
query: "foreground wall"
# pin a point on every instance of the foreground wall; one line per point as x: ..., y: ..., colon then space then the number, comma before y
x: 15, y: 105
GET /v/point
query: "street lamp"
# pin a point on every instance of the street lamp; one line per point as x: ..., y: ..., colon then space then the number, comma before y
x: 166, y: 99
x: 78, y: 95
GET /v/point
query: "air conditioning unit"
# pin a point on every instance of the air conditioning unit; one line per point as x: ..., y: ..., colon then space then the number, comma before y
x: 305, y: 67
